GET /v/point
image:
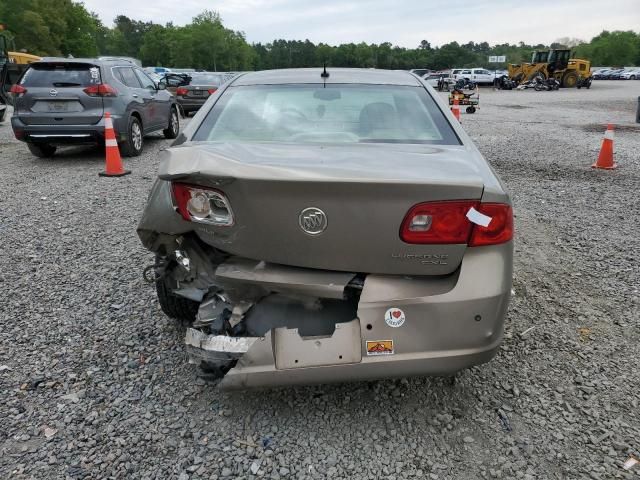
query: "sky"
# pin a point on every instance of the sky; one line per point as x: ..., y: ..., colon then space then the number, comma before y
x: 401, y: 22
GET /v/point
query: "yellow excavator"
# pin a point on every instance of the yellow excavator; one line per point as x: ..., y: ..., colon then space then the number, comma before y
x: 23, y: 58
x: 553, y: 63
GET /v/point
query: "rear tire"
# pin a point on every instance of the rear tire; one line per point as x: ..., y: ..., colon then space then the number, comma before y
x: 42, y: 150
x: 132, y: 146
x: 173, y: 129
x: 570, y: 80
x: 174, y: 306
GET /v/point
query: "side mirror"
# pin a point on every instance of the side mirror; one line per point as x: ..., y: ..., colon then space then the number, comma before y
x: 162, y: 86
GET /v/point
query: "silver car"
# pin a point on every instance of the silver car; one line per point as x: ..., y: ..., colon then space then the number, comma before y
x: 61, y: 101
x: 321, y: 226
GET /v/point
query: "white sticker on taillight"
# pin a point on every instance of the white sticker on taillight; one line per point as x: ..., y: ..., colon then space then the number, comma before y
x: 478, y: 218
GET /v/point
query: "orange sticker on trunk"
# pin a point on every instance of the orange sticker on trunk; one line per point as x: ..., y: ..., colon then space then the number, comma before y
x: 379, y: 347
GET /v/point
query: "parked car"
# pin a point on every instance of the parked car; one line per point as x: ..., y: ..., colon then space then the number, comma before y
x: 434, y: 80
x: 630, y: 74
x: 615, y: 74
x: 600, y: 74
x: 62, y: 101
x: 192, y: 95
x: 320, y: 226
x: 455, y: 72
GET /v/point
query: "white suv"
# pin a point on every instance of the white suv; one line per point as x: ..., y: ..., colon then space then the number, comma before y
x: 477, y: 75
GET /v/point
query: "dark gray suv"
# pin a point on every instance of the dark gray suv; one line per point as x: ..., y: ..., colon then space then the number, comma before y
x: 61, y: 101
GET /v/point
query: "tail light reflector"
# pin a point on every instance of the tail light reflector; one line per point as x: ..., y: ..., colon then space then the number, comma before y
x: 212, y: 91
x: 101, y: 90
x: 446, y: 222
x: 17, y: 89
x: 202, y: 204
x: 181, y: 91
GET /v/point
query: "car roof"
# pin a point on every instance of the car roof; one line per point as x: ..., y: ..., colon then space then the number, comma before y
x: 95, y: 61
x: 336, y: 76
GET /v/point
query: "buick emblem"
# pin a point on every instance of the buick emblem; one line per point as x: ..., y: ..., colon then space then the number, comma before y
x: 53, y: 92
x: 313, y: 221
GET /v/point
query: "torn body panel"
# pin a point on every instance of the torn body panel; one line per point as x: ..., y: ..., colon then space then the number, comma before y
x: 452, y: 323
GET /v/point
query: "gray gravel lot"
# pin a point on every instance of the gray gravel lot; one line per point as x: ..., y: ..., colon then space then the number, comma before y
x: 94, y: 381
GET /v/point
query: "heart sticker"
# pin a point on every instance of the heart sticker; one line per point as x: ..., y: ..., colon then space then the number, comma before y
x: 394, y: 317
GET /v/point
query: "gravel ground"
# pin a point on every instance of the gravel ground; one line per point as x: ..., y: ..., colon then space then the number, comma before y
x: 94, y: 381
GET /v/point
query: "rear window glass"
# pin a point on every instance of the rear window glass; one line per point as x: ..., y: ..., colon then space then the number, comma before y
x: 206, y: 79
x: 335, y: 114
x: 61, y: 75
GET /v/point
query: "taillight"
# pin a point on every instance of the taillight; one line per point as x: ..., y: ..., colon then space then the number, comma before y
x: 202, y: 204
x: 181, y: 91
x: 101, y: 90
x: 446, y: 222
x: 212, y: 91
x: 17, y: 89
x: 438, y: 222
x: 499, y: 230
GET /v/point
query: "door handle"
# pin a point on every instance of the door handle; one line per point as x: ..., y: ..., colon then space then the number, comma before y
x: 134, y: 95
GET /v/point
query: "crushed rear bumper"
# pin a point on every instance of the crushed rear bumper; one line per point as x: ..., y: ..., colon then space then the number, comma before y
x: 454, y: 323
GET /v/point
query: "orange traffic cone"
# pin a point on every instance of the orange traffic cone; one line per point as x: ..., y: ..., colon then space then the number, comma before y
x: 605, y: 159
x: 456, y: 109
x: 113, y: 166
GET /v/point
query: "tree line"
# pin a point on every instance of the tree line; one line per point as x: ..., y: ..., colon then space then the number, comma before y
x: 66, y: 27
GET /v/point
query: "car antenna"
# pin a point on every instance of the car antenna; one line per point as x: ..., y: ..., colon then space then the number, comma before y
x: 325, y: 74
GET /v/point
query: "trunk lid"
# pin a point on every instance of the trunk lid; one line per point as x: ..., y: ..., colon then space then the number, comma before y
x: 55, y: 94
x: 198, y: 91
x: 364, y: 190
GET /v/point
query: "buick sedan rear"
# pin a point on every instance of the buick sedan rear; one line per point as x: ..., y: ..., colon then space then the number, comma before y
x: 319, y: 226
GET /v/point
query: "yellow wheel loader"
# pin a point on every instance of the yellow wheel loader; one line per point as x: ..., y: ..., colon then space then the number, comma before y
x: 556, y: 63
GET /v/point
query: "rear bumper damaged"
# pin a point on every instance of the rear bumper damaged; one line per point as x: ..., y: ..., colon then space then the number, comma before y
x: 262, y: 324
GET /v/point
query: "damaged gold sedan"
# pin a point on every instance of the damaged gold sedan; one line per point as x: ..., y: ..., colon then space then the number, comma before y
x: 320, y: 226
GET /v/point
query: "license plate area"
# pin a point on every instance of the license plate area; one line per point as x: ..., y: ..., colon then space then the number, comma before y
x: 56, y: 106
x: 293, y: 351
x: 197, y: 93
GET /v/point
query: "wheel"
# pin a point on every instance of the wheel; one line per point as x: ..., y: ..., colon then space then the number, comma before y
x: 632, y: 77
x: 174, y: 306
x: 42, y: 150
x: 471, y: 109
x: 174, y: 125
x: 132, y: 146
x: 569, y: 80
x: 538, y: 87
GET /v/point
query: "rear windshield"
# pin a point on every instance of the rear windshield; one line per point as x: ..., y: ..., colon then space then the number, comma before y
x: 61, y: 75
x: 206, y: 79
x: 335, y: 113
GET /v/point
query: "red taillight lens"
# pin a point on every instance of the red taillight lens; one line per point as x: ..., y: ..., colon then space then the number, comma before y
x: 101, y: 90
x: 500, y: 230
x: 447, y: 223
x: 202, y: 204
x: 17, y: 89
x: 212, y: 91
x: 182, y: 91
x: 438, y: 222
